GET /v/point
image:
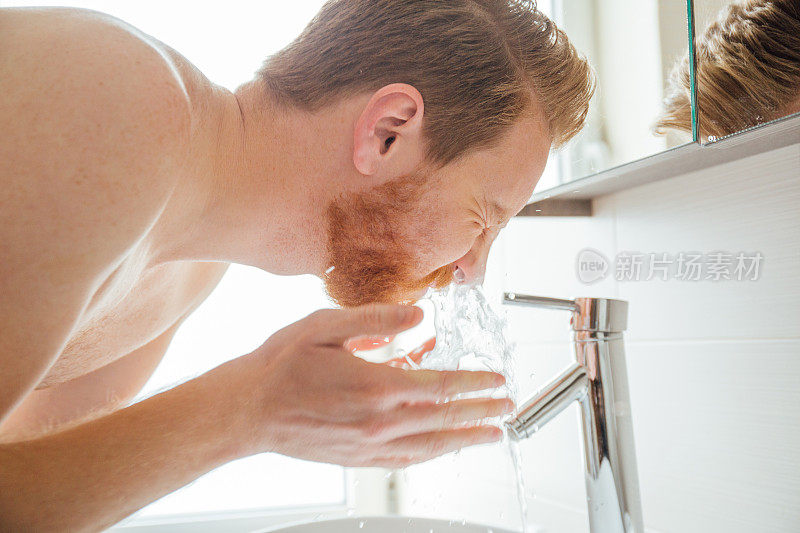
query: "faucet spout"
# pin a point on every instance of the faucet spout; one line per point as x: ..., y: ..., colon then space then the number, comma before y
x: 571, y: 385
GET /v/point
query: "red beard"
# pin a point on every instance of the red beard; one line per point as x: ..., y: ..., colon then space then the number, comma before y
x: 371, y: 261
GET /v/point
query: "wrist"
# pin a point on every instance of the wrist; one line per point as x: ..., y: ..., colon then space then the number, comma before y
x: 226, y: 402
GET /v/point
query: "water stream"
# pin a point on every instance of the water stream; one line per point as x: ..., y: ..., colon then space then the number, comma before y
x: 470, y: 333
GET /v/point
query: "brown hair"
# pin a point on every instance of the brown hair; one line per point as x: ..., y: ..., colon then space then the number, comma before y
x: 748, y: 70
x: 477, y: 63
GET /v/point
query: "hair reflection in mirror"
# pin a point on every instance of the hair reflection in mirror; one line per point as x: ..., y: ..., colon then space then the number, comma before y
x: 748, y: 71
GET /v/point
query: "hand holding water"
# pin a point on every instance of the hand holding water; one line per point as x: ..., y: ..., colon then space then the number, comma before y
x: 313, y: 399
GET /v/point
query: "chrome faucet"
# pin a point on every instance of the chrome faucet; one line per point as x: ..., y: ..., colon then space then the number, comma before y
x: 598, y: 381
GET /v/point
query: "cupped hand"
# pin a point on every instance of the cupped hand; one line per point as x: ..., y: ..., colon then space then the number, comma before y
x: 313, y: 399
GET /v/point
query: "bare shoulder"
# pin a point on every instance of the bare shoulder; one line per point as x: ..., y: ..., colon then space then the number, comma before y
x: 95, y: 124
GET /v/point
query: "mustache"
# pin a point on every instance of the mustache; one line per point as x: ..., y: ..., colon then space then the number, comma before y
x: 439, y: 278
x: 351, y: 287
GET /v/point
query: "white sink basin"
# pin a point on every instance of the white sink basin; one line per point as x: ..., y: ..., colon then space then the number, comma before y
x: 386, y: 524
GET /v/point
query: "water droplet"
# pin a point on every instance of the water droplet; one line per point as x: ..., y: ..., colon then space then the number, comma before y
x: 361, y: 524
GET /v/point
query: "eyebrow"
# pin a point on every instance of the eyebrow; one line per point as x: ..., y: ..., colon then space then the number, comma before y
x: 500, y: 212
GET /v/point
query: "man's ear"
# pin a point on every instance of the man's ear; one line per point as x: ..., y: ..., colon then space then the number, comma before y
x: 388, y: 134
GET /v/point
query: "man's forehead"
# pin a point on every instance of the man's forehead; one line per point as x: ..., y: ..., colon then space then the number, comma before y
x: 523, y: 156
x: 502, y: 176
x: 507, y: 187
x: 522, y: 150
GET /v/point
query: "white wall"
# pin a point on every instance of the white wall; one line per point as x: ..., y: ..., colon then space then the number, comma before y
x: 714, y: 367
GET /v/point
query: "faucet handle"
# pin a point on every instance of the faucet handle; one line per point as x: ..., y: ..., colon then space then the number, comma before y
x: 527, y: 300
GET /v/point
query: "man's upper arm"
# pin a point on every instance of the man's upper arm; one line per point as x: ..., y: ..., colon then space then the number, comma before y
x: 95, y: 125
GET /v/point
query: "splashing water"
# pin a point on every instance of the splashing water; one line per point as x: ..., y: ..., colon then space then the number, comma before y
x: 468, y: 329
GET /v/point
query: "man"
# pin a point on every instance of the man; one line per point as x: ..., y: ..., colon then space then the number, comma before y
x: 382, y: 150
x: 748, y: 71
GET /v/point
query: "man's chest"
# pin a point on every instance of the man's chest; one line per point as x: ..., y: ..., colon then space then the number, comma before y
x: 127, y: 315
x: 114, y: 351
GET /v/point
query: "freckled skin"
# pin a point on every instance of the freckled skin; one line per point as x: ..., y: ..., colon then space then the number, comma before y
x: 129, y: 183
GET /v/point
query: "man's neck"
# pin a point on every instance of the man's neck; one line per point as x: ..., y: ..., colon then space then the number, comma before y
x: 257, y: 186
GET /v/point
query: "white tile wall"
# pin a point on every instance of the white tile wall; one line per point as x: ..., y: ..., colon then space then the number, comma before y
x: 714, y: 367
x: 717, y: 428
x: 749, y: 205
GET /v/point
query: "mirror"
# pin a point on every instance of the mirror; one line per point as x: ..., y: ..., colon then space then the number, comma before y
x: 747, y: 56
x: 632, y: 47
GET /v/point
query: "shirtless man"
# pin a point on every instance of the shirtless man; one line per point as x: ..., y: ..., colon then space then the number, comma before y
x: 391, y: 141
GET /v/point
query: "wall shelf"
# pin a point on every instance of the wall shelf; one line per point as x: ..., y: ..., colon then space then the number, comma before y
x: 574, y: 198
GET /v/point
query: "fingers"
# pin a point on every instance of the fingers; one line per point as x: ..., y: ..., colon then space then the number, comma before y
x: 439, y: 385
x: 367, y: 342
x: 426, y: 446
x: 336, y: 326
x: 417, y: 354
x: 392, y: 463
x: 413, y: 357
x: 429, y: 417
x: 432, y: 432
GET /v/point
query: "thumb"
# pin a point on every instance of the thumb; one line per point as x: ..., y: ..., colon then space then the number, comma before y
x: 336, y: 326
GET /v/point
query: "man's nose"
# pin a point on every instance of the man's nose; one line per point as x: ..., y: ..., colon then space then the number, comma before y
x: 473, y: 264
